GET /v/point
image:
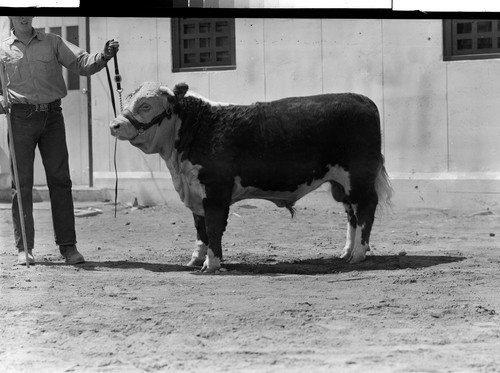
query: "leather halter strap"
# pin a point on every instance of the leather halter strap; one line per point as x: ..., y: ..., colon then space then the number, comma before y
x: 141, y: 127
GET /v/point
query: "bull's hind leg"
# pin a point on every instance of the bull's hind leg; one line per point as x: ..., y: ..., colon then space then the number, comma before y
x: 201, y: 245
x: 360, y: 215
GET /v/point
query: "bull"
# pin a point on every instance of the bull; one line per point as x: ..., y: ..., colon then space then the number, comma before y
x: 278, y: 151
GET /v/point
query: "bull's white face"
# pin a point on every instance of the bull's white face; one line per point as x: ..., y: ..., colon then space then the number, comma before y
x: 144, y: 105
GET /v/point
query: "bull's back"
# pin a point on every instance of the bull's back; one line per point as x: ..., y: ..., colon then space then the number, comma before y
x: 294, y: 140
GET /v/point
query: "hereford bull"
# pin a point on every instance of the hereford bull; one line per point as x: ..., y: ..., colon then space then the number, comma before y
x: 279, y: 151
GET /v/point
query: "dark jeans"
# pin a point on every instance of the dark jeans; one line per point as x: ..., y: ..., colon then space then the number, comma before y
x: 45, y: 129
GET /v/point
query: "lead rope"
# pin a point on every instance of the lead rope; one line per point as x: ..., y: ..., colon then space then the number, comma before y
x: 118, y: 80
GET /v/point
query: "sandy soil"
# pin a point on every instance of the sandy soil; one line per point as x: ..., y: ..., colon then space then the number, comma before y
x: 427, y: 299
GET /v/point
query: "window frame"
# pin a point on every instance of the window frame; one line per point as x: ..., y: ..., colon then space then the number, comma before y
x: 449, y: 37
x: 177, y: 49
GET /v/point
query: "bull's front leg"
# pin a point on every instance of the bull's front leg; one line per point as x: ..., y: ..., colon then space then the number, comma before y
x: 201, y: 245
x: 216, y: 206
x: 351, y: 232
x: 365, y: 215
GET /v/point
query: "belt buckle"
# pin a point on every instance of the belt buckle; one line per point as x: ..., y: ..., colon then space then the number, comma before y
x: 42, y: 107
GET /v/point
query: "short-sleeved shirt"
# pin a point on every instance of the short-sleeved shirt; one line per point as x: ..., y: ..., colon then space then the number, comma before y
x: 34, y: 71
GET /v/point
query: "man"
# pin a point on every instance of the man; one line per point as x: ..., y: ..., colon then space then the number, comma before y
x: 33, y: 61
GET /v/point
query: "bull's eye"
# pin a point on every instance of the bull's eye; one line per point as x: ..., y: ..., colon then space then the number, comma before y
x: 145, y: 107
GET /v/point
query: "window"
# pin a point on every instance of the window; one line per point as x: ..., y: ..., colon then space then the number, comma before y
x: 201, y: 44
x: 73, y: 37
x: 73, y: 79
x: 466, y: 39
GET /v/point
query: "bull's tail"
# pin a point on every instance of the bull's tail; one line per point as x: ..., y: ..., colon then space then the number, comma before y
x: 383, y: 185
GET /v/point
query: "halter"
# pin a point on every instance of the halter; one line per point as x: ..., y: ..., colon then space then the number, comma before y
x: 142, y: 127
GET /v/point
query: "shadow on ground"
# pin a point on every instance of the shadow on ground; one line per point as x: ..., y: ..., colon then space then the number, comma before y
x: 306, y: 267
x: 337, y: 265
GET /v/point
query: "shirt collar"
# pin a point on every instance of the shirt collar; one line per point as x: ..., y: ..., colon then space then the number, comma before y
x: 40, y: 35
x: 12, y: 38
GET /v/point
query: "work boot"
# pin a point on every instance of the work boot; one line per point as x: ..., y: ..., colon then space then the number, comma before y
x: 21, y: 257
x: 71, y: 254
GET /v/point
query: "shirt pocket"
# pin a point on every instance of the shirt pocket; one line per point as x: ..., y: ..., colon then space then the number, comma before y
x: 46, y: 64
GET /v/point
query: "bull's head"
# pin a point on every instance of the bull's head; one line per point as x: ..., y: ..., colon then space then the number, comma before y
x: 148, y: 116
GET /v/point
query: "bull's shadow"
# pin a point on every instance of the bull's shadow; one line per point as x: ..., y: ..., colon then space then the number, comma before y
x: 336, y: 265
x: 317, y: 266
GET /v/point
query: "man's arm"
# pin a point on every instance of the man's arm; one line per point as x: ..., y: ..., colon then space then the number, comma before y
x: 82, y: 62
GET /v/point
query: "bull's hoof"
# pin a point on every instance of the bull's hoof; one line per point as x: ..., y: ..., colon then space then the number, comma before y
x: 210, y: 270
x: 211, y: 264
x: 195, y: 262
x: 356, y: 259
x: 356, y: 254
x: 346, y: 253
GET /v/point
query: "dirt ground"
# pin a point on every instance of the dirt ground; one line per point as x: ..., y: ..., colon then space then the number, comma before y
x: 427, y: 299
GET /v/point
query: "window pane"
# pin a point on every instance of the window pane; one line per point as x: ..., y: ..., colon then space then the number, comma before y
x: 221, y: 26
x: 73, y: 37
x: 484, y: 26
x: 189, y: 43
x: 464, y: 28
x: 464, y: 44
x: 484, y: 43
x: 189, y: 28
x: 205, y: 57
x: 223, y: 57
x: 204, y: 28
x: 189, y: 57
x: 204, y: 42
x: 56, y: 30
x: 222, y: 41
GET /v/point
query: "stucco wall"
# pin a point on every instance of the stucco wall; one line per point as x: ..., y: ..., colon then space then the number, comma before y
x: 438, y: 117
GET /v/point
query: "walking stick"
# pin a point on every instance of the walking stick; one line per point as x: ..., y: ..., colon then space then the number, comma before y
x: 3, y: 77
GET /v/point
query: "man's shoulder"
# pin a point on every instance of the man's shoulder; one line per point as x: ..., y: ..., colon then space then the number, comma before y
x: 7, y: 39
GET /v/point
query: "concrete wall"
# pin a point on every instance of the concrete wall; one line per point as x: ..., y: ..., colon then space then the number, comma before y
x: 439, y: 118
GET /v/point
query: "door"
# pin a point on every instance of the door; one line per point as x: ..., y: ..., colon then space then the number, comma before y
x: 74, y: 105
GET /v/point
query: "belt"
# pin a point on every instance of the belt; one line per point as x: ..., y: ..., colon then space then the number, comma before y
x: 38, y: 107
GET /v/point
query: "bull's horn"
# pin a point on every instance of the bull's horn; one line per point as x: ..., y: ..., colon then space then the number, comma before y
x: 165, y: 89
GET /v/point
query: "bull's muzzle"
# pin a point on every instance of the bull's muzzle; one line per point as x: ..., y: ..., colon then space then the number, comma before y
x: 114, y: 125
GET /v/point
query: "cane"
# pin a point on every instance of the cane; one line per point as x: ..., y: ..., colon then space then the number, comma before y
x: 3, y: 77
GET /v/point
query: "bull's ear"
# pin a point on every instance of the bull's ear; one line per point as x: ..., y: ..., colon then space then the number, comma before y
x: 180, y: 90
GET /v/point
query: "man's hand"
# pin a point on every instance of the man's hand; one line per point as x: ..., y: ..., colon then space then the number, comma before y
x: 110, y: 49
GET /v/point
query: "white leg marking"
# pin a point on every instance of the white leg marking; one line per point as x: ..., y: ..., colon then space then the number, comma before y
x: 212, y: 264
x: 359, y: 251
x: 349, y: 244
x: 199, y: 254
